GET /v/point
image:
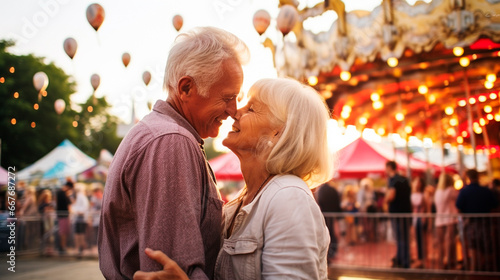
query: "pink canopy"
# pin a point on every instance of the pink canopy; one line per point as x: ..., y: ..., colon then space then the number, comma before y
x: 226, y: 167
x: 361, y: 159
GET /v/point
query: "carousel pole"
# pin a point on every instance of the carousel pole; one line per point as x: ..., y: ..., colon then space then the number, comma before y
x: 469, y: 117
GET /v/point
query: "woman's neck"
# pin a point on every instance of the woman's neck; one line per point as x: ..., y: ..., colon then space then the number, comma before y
x: 256, y: 176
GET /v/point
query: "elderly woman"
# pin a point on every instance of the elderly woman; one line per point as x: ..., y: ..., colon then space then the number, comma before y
x: 274, y: 228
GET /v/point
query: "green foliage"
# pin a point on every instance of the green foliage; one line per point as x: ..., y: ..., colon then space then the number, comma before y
x: 21, y: 143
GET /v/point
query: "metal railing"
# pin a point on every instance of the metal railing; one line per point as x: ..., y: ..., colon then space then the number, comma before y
x: 463, y: 243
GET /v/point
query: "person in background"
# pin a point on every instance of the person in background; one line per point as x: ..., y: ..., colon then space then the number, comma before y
x: 366, y: 201
x: 80, y: 211
x: 328, y: 199
x: 419, y: 206
x: 95, y: 212
x: 446, y: 222
x: 349, y: 205
x: 29, y: 218
x: 64, y: 199
x: 46, y: 208
x: 398, y: 200
x: 474, y: 199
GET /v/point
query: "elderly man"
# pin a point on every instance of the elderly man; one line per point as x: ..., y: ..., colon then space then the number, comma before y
x: 160, y: 192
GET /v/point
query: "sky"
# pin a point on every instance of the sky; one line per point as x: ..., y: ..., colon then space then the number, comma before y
x: 144, y: 29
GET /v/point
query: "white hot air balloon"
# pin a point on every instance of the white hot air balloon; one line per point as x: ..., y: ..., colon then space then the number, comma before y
x: 146, y: 77
x: 261, y: 21
x: 40, y: 81
x: 59, y: 106
x: 95, y: 81
x: 287, y: 18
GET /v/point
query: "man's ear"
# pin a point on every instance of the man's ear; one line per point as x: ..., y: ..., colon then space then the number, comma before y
x: 186, y: 87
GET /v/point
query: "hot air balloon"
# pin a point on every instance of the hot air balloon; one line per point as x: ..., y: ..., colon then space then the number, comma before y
x: 59, y: 106
x: 287, y: 18
x: 70, y: 47
x: 146, y: 77
x: 95, y: 15
x: 261, y: 20
x: 95, y: 80
x: 177, y: 21
x: 126, y: 59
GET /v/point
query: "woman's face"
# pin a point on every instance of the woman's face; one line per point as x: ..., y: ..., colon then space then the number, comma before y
x: 251, y: 125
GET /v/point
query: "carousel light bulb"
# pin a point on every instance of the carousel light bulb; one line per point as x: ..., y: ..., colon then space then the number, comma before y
x: 497, y: 117
x: 462, y: 103
x: 347, y: 108
x: 482, y: 98
x: 375, y: 96
x: 493, y: 96
x: 312, y: 80
x: 432, y: 99
x: 400, y: 116
x: 345, y: 114
x: 392, y: 62
x: 460, y: 140
x: 464, y: 133
x: 482, y: 122
x: 423, y: 89
x: 478, y: 130
x: 449, y: 110
x: 472, y: 100
x: 408, y: 129
x: 345, y: 75
x: 491, y: 78
x: 464, y: 61
x: 377, y: 105
x: 381, y: 131
x: 453, y: 122
x: 450, y: 131
x: 363, y: 120
x: 490, y: 117
x: 458, y: 51
x: 488, y: 109
x: 488, y: 85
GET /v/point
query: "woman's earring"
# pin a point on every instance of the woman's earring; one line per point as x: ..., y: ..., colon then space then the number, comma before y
x: 270, y: 143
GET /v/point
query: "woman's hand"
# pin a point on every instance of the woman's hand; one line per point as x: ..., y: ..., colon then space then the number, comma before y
x: 170, y: 268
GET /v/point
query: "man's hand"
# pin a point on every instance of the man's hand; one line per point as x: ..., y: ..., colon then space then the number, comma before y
x: 170, y: 268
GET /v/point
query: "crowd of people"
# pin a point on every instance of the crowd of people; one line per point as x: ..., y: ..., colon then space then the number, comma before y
x: 55, y: 218
x: 437, y: 219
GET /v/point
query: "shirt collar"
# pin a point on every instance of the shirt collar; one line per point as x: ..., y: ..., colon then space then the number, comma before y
x: 165, y: 108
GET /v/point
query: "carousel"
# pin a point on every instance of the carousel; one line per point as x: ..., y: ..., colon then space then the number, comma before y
x: 426, y: 70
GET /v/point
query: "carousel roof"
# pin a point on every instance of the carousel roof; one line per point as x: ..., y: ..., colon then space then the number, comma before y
x: 428, y: 74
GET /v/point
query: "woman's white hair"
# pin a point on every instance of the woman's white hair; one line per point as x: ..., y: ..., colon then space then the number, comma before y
x: 199, y: 54
x: 302, y: 148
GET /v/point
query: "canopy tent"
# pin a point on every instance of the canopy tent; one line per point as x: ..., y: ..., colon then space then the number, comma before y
x: 63, y: 161
x: 98, y: 172
x: 226, y: 167
x: 363, y: 159
x: 3, y: 176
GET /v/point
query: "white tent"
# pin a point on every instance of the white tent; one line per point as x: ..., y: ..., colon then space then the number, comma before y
x: 65, y: 160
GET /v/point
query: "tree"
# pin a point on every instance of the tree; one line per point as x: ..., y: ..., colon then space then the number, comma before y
x: 28, y: 134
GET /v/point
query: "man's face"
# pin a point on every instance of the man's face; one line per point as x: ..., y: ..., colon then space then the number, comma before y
x: 207, y: 114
